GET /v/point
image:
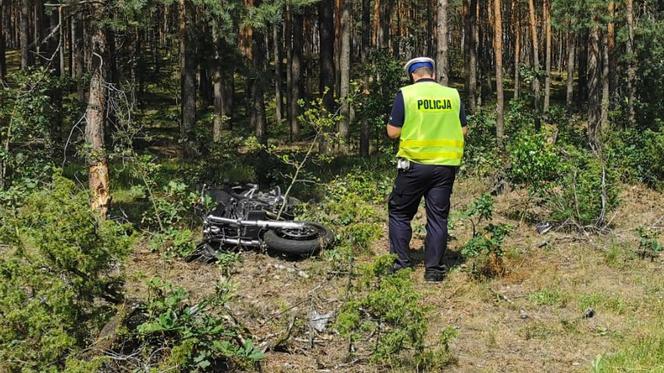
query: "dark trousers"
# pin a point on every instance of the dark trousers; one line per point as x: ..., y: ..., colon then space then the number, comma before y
x: 435, y: 184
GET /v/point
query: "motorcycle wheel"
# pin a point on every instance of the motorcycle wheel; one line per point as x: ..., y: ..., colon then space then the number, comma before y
x: 301, y: 242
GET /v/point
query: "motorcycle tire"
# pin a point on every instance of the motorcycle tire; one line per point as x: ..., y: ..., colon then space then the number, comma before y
x: 280, y: 241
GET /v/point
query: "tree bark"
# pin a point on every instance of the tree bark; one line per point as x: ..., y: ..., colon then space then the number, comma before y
x: 569, y: 97
x: 344, y: 88
x: 611, y: 44
x: 470, y: 67
x: 217, y: 77
x: 582, y: 53
x: 516, y: 13
x: 187, y: 76
x: 37, y: 28
x: 296, y: 72
x: 377, y: 36
x: 326, y: 34
x: 3, y: 62
x: 76, y: 46
x: 536, y: 66
x: 95, y: 118
x: 26, y: 57
x: 442, y: 65
x: 498, y: 48
x: 631, y: 67
x: 605, y: 81
x: 257, y: 88
x: 547, y: 77
x: 366, y: 29
x: 288, y: 45
x: 594, y: 92
x: 278, y: 80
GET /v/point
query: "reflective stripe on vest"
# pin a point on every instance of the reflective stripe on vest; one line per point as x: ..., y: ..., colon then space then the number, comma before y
x: 431, y: 133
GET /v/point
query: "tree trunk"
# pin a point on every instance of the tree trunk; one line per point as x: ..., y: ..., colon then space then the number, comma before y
x: 344, y: 88
x: 278, y: 80
x: 257, y: 88
x: 470, y: 67
x: 3, y: 62
x: 37, y: 28
x: 219, y: 114
x: 326, y: 34
x: 385, y: 22
x: 594, y: 92
x: 516, y: 13
x: 582, y: 53
x: 26, y: 57
x: 366, y: 29
x: 605, y: 81
x: 611, y: 44
x: 442, y: 65
x: 498, y: 48
x: 95, y: 118
x: 296, y: 71
x: 288, y: 45
x: 547, y: 77
x: 377, y: 36
x: 536, y: 66
x: 569, y: 97
x: 187, y: 76
x: 631, y: 67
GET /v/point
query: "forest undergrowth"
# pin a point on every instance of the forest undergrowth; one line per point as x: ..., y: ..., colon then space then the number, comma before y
x: 585, y: 294
x: 556, y: 233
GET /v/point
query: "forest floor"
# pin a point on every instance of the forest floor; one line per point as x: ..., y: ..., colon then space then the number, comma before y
x: 532, y: 318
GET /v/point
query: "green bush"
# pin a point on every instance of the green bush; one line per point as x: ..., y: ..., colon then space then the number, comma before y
x: 638, y: 155
x: 57, y: 269
x: 382, y: 78
x: 533, y: 162
x: 485, y: 246
x: 481, y: 154
x: 649, y: 246
x: 585, y: 194
x: 386, y: 309
x: 194, y: 338
x: 384, y: 315
x: 356, y: 222
x: 28, y: 133
x: 173, y: 242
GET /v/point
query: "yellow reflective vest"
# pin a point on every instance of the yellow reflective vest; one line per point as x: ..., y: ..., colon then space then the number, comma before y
x: 431, y: 133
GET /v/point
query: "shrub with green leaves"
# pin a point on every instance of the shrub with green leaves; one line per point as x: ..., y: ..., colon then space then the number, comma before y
x: 490, y: 240
x: 481, y: 152
x: 533, y: 162
x: 585, y: 194
x: 486, y: 243
x: 357, y: 222
x: 384, y: 312
x: 173, y: 242
x: 385, y: 319
x: 638, y: 155
x: 27, y: 133
x: 193, y: 338
x: 58, y: 272
x: 649, y: 246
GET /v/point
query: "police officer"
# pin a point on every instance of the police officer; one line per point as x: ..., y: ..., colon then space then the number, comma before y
x: 430, y: 122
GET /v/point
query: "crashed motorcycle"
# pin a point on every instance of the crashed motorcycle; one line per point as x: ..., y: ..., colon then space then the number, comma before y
x: 245, y: 217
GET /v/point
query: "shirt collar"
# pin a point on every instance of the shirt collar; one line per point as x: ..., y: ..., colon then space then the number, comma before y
x: 425, y: 80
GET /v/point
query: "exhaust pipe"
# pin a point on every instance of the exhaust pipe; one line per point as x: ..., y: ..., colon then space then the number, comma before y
x: 256, y: 223
x: 240, y: 242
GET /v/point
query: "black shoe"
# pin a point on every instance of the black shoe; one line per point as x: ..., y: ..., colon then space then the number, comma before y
x: 396, y: 268
x: 433, y: 276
